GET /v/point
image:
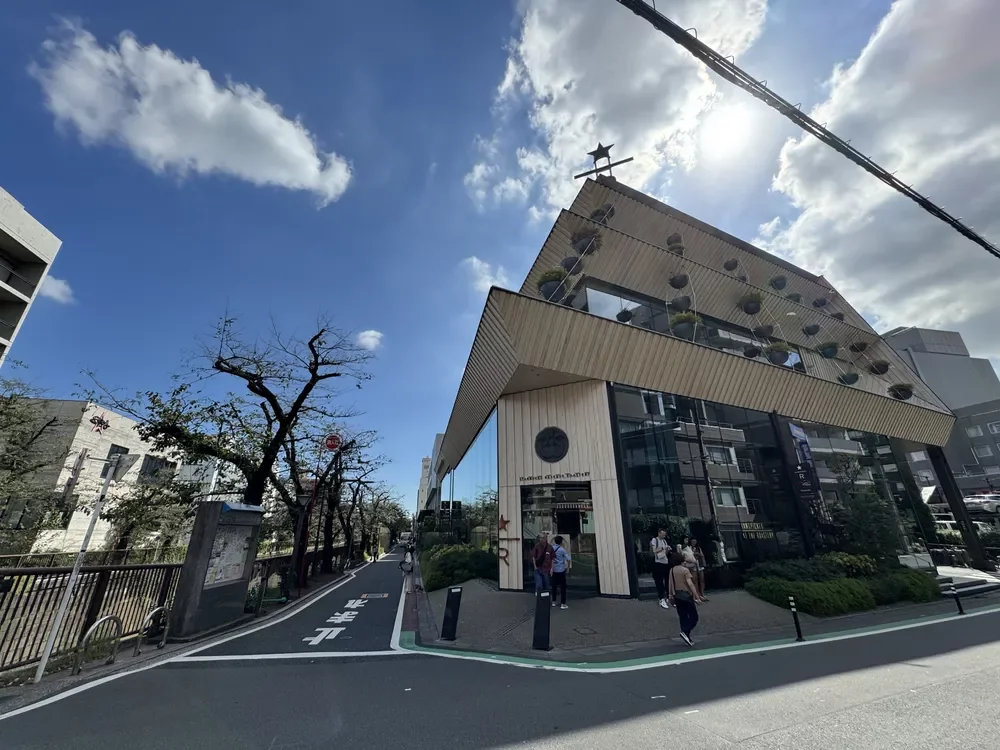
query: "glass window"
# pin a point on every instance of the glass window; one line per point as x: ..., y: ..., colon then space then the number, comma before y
x: 718, y: 454
x: 882, y: 449
x: 992, y: 469
x: 974, y: 431
x: 890, y: 467
x: 470, y: 495
x: 730, y: 497
x: 918, y: 456
x: 925, y: 476
x: 995, y: 428
x: 983, y: 451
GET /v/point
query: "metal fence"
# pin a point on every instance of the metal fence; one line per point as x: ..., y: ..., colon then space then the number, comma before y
x: 29, y: 598
x: 136, y: 556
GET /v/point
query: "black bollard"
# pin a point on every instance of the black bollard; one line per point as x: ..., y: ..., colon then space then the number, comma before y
x: 958, y: 599
x: 543, y: 611
x: 450, y: 625
x: 795, y: 616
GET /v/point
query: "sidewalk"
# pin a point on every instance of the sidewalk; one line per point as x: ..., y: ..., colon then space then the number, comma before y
x: 596, y: 630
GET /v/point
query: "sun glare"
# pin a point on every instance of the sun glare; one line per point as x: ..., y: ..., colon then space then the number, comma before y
x: 725, y: 132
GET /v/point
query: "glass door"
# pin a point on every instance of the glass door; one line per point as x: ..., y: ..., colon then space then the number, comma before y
x: 566, y: 510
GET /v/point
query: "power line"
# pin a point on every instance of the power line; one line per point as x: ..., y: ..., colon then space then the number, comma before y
x: 728, y: 70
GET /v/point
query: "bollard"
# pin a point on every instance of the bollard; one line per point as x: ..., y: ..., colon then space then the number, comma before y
x: 958, y: 599
x: 543, y: 607
x: 795, y: 616
x: 450, y: 625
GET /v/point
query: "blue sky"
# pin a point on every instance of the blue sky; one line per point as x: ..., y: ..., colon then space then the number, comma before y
x: 405, y: 95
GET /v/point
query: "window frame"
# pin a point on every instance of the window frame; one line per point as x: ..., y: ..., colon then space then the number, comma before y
x: 736, y: 489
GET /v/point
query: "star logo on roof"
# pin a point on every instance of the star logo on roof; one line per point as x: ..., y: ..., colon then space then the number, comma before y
x: 601, y: 152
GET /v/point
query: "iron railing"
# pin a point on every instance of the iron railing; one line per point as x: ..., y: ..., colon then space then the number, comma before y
x: 136, y: 556
x: 29, y: 598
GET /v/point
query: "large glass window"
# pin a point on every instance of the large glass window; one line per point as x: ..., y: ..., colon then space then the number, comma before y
x: 469, y: 493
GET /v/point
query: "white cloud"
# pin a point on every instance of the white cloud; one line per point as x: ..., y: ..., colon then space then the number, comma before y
x: 585, y: 71
x: 768, y: 228
x: 923, y: 99
x: 173, y: 117
x: 370, y: 340
x: 484, y: 275
x: 56, y: 289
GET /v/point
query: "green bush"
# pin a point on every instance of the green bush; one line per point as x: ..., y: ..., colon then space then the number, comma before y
x: 448, y: 565
x: 822, y: 599
x: 814, y: 570
x: 852, y: 566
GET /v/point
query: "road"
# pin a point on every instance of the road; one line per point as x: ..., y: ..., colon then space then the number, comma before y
x: 291, y: 686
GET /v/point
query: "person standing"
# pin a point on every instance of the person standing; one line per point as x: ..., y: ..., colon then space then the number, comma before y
x: 660, y: 548
x: 699, y: 576
x: 561, y: 562
x: 683, y: 594
x: 541, y: 558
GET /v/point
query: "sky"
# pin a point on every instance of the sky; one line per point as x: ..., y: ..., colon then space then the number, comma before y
x: 387, y: 162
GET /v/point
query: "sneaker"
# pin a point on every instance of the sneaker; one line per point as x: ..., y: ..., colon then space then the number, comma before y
x: 687, y: 639
x: 563, y: 606
x: 664, y: 604
x: 554, y: 604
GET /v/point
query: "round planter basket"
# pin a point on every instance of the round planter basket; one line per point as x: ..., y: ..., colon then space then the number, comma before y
x: 763, y: 331
x: 837, y: 315
x: 572, y: 264
x: 586, y: 242
x: 751, y: 352
x: 794, y: 297
x: 679, y: 281
x: 858, y: 346
x: 777, y: 357
x: 680, y: 304
x: 810, y: 330
x: 683, y: 331
x: 750, y: 307
x: 779, y: 283
x: 901, y: 391
x: 552, y: 291
x: 624, y: 316
x: 830, y: 351
x: 731, y: 265
x: 820, y: 302
x: 603, y: 214
x: 848, y: 378
x: 878, y: 368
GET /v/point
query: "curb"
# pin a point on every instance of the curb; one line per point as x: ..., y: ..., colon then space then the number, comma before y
x: 408, y: 642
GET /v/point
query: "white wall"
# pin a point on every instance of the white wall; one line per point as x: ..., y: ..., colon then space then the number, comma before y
x: 581, y: 411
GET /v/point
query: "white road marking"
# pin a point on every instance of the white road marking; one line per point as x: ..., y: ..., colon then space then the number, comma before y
x: 355, y: 603
x: 292, y: 655
x: 325, y: 634
x: 341, y: 617
x: 398, y: 625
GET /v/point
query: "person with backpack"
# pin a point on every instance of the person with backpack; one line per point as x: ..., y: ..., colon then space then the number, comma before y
x: 660, y: 548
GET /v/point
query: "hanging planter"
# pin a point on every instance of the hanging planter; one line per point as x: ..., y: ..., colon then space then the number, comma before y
x: 799, y: 367
x: 901, y: 391
x: 811, y: 330
x: 683, y: 325
x: 848, y: 378
x: 879, y: 367
x: 551, y: 284
x: 858, y: 346
x: 679, y: 280
x: 680, y: 304
x: 731, y: 265
x: 624, y: 316
x: 778, y: 352
x: 829, y: 349
x: 763, y: 331
x: 604, y: 214
x: 586, y: 241
x: 675, y: 244
x: 779, y: 283
x: 743, y: 277
x: 750, y: 303
x: 751, y: 352
x: 572, y: 264
x: 837, y: 315
x: 794, y: 297
x: 820, y: 302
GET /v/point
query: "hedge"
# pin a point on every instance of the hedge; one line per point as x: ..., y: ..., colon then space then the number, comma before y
x: 827, y: 567
x: 845, y: 595
x: 447, y: 565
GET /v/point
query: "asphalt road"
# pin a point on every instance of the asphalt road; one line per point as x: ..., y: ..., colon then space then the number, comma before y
x: 928, y: 687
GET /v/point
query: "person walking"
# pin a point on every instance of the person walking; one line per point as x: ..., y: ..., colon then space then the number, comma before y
x: 690, y: 561
x: 561, y: 563
x: 541, y: 558
x: 699, y: 576
x: 683, y: 594
x: 660, y: 548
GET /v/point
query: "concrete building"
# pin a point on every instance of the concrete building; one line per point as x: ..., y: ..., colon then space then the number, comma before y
x: 967, y: 385
x: 598, y: 407
x: 425, y: 480
x: 432, y: 498
x: 27, y: 250
x: 85, y: 426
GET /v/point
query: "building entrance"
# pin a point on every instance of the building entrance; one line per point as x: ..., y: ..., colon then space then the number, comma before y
x: 562, y: 509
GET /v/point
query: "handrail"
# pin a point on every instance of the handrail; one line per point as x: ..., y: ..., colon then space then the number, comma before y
x: 82, y: 645
x: 147, y: 620
x: 87, y: 569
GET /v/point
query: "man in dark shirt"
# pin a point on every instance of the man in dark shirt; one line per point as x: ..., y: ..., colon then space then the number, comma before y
x: 541, y: 558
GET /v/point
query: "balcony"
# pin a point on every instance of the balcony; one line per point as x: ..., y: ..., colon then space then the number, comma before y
x: 835, y: 445
x: 714, y: 431
x: 741, y: 471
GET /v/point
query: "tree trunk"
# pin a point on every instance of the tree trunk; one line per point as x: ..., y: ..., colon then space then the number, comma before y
x: 300, y: 531
x: 121, y: 546
x: 328, y: 543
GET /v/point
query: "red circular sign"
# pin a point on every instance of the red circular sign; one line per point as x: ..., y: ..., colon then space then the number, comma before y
x: 333, y: 442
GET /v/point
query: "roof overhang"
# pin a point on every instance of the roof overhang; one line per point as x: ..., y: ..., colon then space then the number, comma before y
x: 524, y: 343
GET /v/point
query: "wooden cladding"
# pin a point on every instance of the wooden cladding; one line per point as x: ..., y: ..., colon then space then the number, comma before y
x: 517, y: 329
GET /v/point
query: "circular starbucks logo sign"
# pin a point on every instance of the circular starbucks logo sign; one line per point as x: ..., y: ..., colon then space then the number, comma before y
x: 551, y: 445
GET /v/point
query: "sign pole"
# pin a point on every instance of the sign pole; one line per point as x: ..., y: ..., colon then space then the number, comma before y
x: 71, y: 584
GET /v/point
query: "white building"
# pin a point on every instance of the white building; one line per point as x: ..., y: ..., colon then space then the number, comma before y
x: 425, y: 478
x: 27, y: 250
x: 88, y: 435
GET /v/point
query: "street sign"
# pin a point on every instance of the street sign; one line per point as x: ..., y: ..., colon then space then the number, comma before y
x: 125, y: 462
x: 333, y: 442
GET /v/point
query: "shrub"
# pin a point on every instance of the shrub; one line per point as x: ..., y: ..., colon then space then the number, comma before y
x: 447, y: 565
x: 777, y: 346
x: 814, y: 570
x: 553, y: 274
x: 684, y: 317
x: 853, y: 566
x: 822, y: 599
